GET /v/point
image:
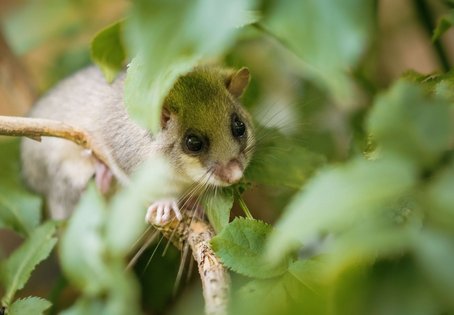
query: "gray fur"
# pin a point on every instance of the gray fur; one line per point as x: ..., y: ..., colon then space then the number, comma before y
x: 59, y: 169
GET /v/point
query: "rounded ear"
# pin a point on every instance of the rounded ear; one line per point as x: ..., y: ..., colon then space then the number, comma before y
x: 165, y: 116
x: 238, y: 82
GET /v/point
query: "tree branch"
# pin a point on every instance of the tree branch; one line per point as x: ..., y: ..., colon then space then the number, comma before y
x: 35, y: 128
x: 190, y: 231
x: 197, y: 234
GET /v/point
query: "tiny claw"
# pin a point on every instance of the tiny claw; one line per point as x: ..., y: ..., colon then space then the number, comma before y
x: 160, y: 212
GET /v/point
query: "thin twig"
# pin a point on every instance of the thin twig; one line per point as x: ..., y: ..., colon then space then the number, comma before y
x: 215, y: 278
x: 35, y: 128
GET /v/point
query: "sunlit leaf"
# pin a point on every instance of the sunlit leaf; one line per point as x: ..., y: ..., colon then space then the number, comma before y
x: 29, y: 306
x: 338, y: 196
x: 19, y: 209
x: 108, y: 52
x: 240, y: 246
x: 17, y: 269
x: 329, y: 37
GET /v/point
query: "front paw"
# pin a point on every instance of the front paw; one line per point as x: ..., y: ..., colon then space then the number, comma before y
x: 159, y: 212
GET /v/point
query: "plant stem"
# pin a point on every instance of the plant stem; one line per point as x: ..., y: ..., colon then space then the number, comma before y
x: 423, y: 11
x: 243, y: 206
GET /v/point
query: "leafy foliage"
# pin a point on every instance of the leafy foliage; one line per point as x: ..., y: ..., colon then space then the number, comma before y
x: 365, y: 175
x: 107, y: 50
x: 240, y: 246
x: 17, y: 268
x: 106, y: 287
x: 328, y: 36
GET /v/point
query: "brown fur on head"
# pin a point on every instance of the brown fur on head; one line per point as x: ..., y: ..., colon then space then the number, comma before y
x: 211, y: 132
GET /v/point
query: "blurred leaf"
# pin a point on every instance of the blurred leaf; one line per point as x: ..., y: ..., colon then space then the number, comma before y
x: 389, y: 287
x: 119, y: 299
x: 126, y: 221
x: 440, y: 84
x: 90, y: 265
x: 423, y: 124
x: 295, y: 292
x: 107, y: 50
x: 281, y: 161
x: 443, y: 24
x: 440, y: 197
x: 29, y: 306
x: 17, y: 269
x: 218, y: 207
x: 338, y: 196
x: 82, y: 250
x: 145, y: 93
x: 38, y: 21
x: 240, y: 246
x: 364, y: 243
x: 435, y: 253
x: 329, y: 37
x: 85, y: 306
x: 19, y: 209
x: 204, y: 28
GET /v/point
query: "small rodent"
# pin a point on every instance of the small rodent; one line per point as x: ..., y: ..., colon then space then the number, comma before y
x: 204, y: 130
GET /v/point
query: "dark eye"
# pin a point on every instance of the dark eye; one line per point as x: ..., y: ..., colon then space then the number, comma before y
x: 238, y: 127
x: 194, y: 143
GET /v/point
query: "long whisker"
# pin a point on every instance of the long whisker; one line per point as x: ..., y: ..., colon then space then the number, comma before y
x: 199, y: 189
x: 152, y: 254
x: 184, y: 257
x: 139, y: 253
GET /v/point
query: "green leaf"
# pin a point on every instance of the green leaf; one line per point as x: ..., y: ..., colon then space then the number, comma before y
x: 240, y: 245
x: 337, y: 197
x: 444, y: 24
x: 145, y: 92
x: 329, y: 37
x: 435, y: 253
x: 19, y: 266
x: 273, y: 152
x: 82, y: 248
x: 126, y: 221
x: 29, y: 306
x: 19, y: 209
x: 218, y: 207
x: 121, y: 297
x: 206, y: 28
x: 107, y: 50
x: 423, y: 123
x: 297, y: 291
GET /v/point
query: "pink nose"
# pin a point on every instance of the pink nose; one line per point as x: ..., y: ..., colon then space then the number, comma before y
x: 230, y: 173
